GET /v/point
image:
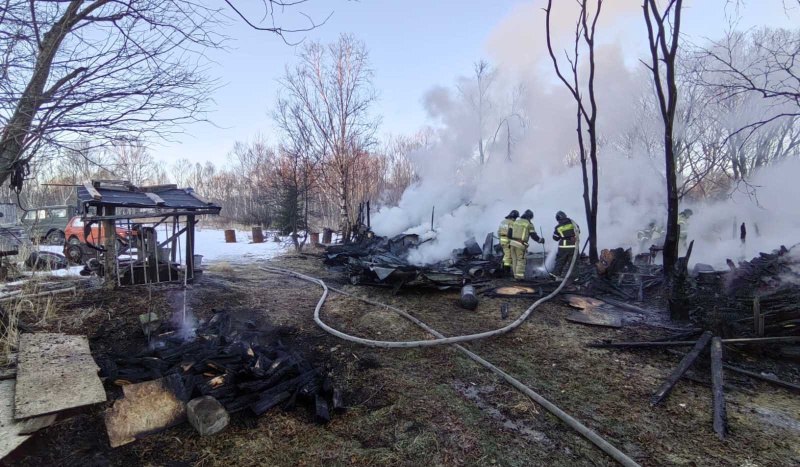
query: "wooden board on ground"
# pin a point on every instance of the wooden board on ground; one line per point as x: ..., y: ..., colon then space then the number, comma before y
x: 593, y: 312
x: 146, y: 408
x: 514, y: 290
x: 596, y: 317
x: 55, y: 372
x: 12, y: 432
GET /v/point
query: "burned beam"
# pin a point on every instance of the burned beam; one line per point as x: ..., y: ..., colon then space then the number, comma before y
x: 720, y: 414
x: 686, y: 363
x: 739, y: 341
x: 770, y: 379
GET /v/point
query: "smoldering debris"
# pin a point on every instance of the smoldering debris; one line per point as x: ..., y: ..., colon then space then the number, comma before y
x: 244, y: 366
x: 385, y: 261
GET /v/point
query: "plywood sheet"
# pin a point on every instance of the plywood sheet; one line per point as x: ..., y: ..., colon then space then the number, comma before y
x: 147, y: 408
x: 55, y: 372
x: 12, y: 432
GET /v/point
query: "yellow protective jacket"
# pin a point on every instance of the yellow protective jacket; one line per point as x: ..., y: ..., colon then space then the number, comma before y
x: 522, y: 230
x: 564, y: 234
x: 503, y: 231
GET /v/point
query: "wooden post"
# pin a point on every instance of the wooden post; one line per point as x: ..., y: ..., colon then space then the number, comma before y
x: 190, y: 223
x: 314, y: 238
x: 109, y: 234
x: 720, y: 415
x: 327, y: 236
x: 258, y: 234
x: 686, y: 363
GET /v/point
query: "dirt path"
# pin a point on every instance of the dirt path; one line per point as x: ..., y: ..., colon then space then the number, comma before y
x: 434, y: 406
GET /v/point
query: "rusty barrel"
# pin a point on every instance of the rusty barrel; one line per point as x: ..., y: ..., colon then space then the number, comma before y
x: 258, y: 235
x: 230, y: 236
x: 315, y: 238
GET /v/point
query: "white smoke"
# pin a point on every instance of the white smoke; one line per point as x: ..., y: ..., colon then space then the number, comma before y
x: 470, y: 200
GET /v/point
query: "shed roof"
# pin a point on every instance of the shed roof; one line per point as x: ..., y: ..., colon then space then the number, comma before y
x: 142, y: 198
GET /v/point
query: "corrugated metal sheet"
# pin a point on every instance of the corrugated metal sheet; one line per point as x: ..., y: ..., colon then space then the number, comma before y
x: 174, y: 198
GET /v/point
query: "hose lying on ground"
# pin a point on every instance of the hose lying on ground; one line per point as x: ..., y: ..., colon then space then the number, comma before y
x: 428, y: 342
x: 586, y: 432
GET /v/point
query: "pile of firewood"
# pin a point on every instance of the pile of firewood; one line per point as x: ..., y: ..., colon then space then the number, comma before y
x: 241, y: 369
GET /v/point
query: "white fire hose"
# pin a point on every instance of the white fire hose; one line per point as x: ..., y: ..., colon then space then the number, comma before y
x: 428, y: 342
x: 586, y: 432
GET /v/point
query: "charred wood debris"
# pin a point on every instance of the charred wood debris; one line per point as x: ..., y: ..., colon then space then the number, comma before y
x: 745, y: 316
x: 243, y: 366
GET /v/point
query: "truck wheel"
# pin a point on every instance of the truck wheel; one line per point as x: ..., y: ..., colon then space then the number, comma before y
x: 73, y: 240
x: 55, y: 237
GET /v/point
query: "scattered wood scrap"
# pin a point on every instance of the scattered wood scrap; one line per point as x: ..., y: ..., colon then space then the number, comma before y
x: 55, y: 372
x: 593, y: 312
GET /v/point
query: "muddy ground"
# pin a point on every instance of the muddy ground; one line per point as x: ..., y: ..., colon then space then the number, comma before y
x: 429, y: 406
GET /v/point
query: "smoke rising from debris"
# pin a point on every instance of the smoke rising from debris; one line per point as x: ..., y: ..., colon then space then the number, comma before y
x: 543, y: 174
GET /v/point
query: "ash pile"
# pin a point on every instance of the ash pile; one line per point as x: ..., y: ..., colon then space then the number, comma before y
x: 232, y: 361
x: 384, y: 261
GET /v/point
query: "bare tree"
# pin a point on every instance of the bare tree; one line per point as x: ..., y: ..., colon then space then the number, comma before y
x: 663, y: 32
x: 764, y: 63
x: 331, y: 91
x: 480, y: 102
x: 585, y: 28
x: 107, y: 70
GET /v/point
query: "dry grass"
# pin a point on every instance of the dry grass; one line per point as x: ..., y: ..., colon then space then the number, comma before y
x: 403, y: 406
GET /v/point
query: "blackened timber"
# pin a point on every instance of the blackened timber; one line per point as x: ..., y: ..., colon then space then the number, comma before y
x: 322, y: 413
x: 771, y: 379
x: 686, y: 363
x: 740, y: 340
x: 338, y: 401
x: 720, y: 414
x: 266, y: 403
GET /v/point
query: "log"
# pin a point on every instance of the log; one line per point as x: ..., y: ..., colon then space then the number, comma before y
x: 686, y: 363
x: 720, y: 415
x: 770, y: 379
x: 258, y: 234
x: 338, y: 401
x: 322, y: 414
x: 39, y: 294
x: 266, y: 403
x: 230, y: 236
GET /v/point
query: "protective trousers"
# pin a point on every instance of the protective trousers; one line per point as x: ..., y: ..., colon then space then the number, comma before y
x: 563, y: 258
x: 507, y: 261
x: 518, y: 251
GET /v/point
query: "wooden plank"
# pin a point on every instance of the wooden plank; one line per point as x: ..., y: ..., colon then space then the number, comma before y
x: 595, y: 317
x: 720, y: 414
x: 741, y: 340
x: 55, y: 372
x: 155, y: 198
x: 147, y: 408
x: 12, y: 432
x: 93, y: 191
x: 686, y: 363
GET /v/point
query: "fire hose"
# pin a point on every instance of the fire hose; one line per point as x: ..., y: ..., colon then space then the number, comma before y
x: 586, y: 432
x: 428, y: 342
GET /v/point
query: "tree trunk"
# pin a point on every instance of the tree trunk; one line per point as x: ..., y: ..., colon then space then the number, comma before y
x: 12, y: 141
x: 673, y: 236
x: 344, y: 218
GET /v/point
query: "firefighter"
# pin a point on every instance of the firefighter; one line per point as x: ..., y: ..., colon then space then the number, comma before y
x: 504, y: 233
x: 564, y: 234
x: 683, y: 223
x: 521, y: 231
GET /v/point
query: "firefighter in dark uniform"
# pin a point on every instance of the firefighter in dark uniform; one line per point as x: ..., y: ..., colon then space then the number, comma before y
x: 522, y: 230
x: 504, y: 233
x: 564, y: 234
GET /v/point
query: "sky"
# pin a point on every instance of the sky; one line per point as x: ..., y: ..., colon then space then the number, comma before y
x: 413, y: 45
